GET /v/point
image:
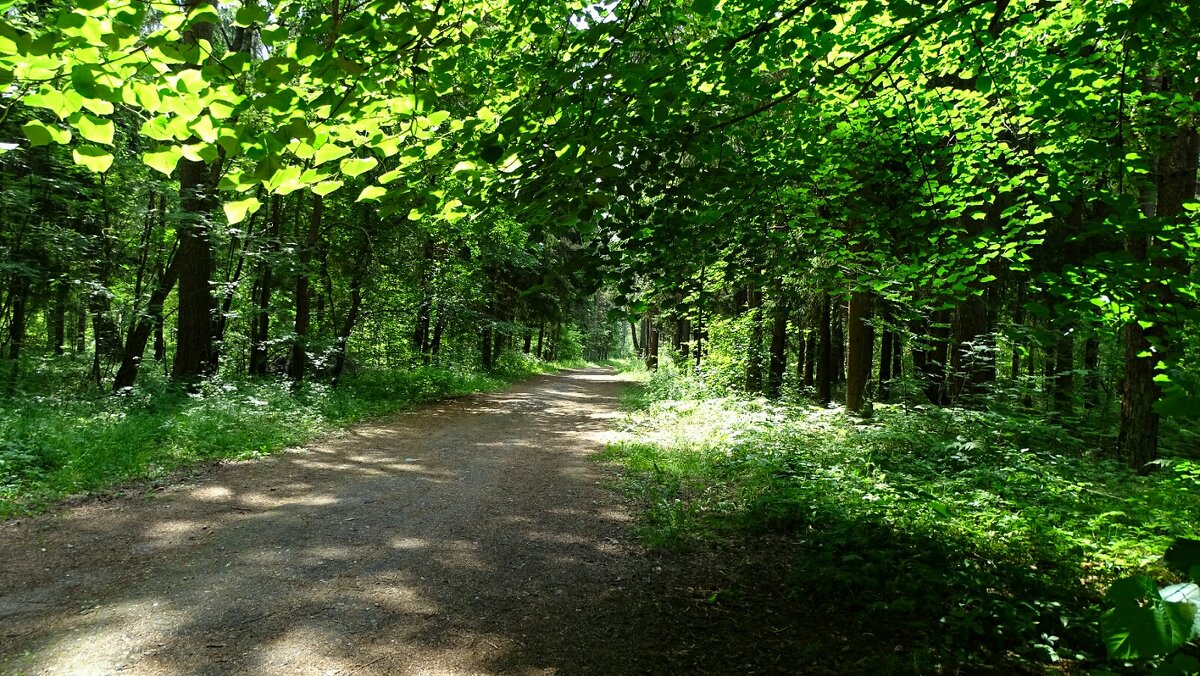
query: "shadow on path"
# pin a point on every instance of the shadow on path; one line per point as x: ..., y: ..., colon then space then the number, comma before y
x: 470, y: 536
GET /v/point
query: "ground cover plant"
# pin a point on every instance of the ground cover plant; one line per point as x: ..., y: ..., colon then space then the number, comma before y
x: 985, y: 539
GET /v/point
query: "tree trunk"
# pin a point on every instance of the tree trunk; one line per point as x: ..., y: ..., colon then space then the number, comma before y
x: 886, y: 356
x: 1138, y: 438
x: 754, y: 365
x: 897, y: 357
x: 143, y: 326
x: 838, y: 343
x: 439, y: 326
x: 298, y: 362
x: 260, y: 319
x: 930, y: 359
x: 80, y: 329
x: 1064, y: 376
x: 1093, y: 380
x: 810, y: 358
x: 339, y: 361
x: 485, y: 343
x: 824, y: 366
x: 860, y: 349
x: 800, y: 355
x: 972, y: 362
x: 160, y: 340
x: 194, y: 351
x: 58, y: 320
x: 778, y: 362
x: 651, y: 343
x: 541, y: 339
x: 633, y: 331
x: 16, y: 330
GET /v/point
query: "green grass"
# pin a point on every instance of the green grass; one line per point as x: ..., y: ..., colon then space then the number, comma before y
x: 53, y: 446
x: 979, y: 537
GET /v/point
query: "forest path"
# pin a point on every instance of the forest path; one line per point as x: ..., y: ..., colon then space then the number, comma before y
x: 470, y: 536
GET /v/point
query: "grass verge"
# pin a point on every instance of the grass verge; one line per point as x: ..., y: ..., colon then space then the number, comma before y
x: 944, y: 539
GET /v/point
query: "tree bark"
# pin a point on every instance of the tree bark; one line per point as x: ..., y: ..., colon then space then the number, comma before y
x: 260, y: 319
x: 58, y: 329
x: 778, y: 362
x: 886, y: 356
x: 972, y: 362
x: 754, y: 365
x: 299, y: 360
x: 1093, y: 380
x: 930, y: 359
x: 143, y: 326
x: 194, y: 350
x: 1064, y: 376
x: 824, y: 366
x: 860, y: 344
x: 1138, y: 438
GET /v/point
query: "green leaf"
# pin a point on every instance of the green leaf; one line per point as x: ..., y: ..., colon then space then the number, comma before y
x: 358, y: 165
x: 92, y: 158
x: 236, y: 212
x: 703, y: 7
x: 163, y: 160
x: 1141, y: 623
x: 95, y: 129
x: 371, y: 192
x: 40, y: 134
x: 330, y: 152
x: 325, y: 187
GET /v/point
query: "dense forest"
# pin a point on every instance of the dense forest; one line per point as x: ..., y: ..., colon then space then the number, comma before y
x: 982, y: 213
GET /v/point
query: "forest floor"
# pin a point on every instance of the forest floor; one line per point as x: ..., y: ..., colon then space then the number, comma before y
x: 476, y: 535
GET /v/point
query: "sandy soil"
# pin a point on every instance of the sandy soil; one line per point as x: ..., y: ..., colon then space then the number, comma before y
x: 471, y: 536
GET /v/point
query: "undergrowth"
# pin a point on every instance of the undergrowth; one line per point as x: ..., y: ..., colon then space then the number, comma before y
x: 968, y: 539
x: 54, y: 445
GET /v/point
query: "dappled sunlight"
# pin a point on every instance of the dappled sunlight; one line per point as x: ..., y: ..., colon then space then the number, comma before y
x: 212, y: 493
x: 334, y: 558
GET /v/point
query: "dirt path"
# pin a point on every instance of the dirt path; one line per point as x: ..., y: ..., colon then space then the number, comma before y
x: 472, y: 536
